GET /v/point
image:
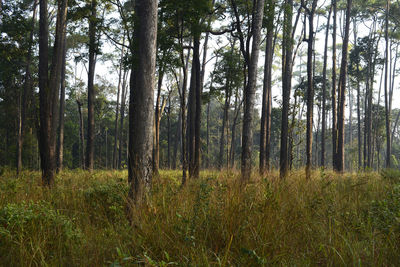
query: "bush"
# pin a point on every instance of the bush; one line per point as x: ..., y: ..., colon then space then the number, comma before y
x: 386, y: 212
x: 107, y: 200
x: 391, y: 174
x: 37, y: 232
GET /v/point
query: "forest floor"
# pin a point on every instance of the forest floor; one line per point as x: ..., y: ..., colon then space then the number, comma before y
x: 350, y: 219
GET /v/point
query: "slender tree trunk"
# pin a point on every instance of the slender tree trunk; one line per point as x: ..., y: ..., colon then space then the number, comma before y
x: 224, y: 120
x: 60, y: 144
x: 249, y: 94
x: 334, y: 106
x: 26, y: 93
x: 157, y: 119
x: 324, y: 91
x: 387, y: 110
x: 265, y: 132
x: 342, y: 92
x: 81, y: 135
x: 310, y: 90
x: 169, y: 133
x: 91, y: 91
x: 141, y: 112
x: 120, y: 133
x: 197, y: 124
x: 115, y: 156
x: 287, y: 51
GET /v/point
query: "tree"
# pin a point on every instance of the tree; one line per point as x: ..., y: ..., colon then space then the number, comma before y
x: 141, y: 112
x: 310, y: 88
x: 339, y: 166
x: 265, y: 133
x: 48, y: 88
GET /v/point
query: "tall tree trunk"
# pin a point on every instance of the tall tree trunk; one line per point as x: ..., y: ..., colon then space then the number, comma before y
x: 265, y: 132
x: 81, y: 135
x: 342, y: 92
x: 287, y: 51
x: 115, y: 156
x: 26, y: 93
x: 387, y: 110
x: 197, y: 124
x: 334, y: 106
x: 250, y: 91
x: 157, y: 119
x: 310, y: 89
x: 91, y: 91
x: 120, y: 133
x: 48, y: 88
x: 141, y: 112
x: 324, y: 91
x: 224, y: 121
x: 60, y: 144
x: 169, y: 133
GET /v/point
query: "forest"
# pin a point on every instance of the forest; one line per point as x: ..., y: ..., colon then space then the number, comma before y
x: 199, y: 132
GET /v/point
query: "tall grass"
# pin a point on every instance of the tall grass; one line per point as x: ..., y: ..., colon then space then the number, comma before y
x: 350, y: 219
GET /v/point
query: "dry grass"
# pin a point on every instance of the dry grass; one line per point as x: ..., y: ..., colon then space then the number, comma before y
x: 350, y: 219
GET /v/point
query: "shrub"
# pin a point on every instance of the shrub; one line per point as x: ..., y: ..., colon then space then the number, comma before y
x: 35, y: 232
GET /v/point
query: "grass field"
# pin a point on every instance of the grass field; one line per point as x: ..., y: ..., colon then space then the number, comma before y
x: 350, y: 219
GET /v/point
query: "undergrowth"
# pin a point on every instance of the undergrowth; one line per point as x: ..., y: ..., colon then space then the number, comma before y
x: 332, y: 219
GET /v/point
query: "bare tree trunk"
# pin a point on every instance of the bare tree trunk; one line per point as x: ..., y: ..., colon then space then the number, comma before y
x: 60, y: 144
x: 26, y: 93
x: 334, y: 111
x: 287, y: 50
x: 81, y: 135
x: 224, y: 121
x: 141, y: 112
x: 115, y: 157
x: 324, y: 91
x: 387, y: 110
x: 310, y: 90
x: 91, y: 91
x: 48, y: 88
x: 250, y: 91
x: 120, y: 133
x: 265, y: 132
x: 157, y: 119
x: 342, y: 92
x: 197, y: 124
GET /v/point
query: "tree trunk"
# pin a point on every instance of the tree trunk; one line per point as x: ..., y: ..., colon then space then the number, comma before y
x: 81, y: 135
x: 115, y: 157
x: 342, y: 92
x: 265, y: 132
x: 91, y: 91
x: 48, y: 88
x: 26, y: 93
x: 197, y: 124
x: 310, y: 89
x: 157, y: 119
x: 250, y: 91
x: 141, y: 112
x: 387, y: 110
x: 287, y: 50
x: 324, y: 92
x: 120, y: 133
x: 224, y: 120
x: 334, y: 112
x: 60, y: 144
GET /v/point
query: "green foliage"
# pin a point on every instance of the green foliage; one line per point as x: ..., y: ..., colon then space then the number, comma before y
x: 391, y: 175
x: 385, y: 213
x: 36, y: 229
x: 107, y: 200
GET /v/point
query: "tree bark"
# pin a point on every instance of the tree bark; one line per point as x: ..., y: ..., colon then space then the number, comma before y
x: 81, y: 135
x: 287, y: 51
x: 310, y: 88
x: 265, y: 132
x: 141, y: 112
x: 342, y: 92
x: 334, y: 112
x: 116, y: 135
x: 387, y: 110
x: 250, y: 91
x: 48, y: 89
x: 60, y: 144
x: 26, y: 93
x: 91, y: 91
x: 324, y: 92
